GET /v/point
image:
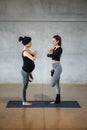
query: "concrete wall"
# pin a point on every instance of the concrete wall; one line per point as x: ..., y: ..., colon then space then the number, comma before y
x: 41, y: 19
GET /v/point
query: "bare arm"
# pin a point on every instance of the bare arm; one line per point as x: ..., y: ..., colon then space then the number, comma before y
x: 27, y: 54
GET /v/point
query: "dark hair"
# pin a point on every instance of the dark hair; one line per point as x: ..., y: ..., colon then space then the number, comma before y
x: 58, y: 38
x: 20, y: 39
x: 25, y: 40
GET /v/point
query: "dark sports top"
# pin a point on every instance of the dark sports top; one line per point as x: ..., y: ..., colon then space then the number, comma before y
x: 28, y: 64
x: 56, y: 54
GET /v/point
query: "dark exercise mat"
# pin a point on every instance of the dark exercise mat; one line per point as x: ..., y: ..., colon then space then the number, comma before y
x: 45, y: 104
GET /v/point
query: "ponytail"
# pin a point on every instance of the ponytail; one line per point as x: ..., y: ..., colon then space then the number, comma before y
x: 20, y: 39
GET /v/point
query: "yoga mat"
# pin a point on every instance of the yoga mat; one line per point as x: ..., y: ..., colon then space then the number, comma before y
x: 43, y: 104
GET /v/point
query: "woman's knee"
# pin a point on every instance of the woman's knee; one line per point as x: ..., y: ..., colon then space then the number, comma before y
x: 52, y: 83
x: 25, y: 87
x: 25, y: 84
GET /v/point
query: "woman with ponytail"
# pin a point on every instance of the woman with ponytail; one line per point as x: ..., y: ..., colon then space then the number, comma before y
x: 55, y: 54
x: 28, y: 65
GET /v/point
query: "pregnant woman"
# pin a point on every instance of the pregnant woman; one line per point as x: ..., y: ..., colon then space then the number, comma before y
x: 28, y: 65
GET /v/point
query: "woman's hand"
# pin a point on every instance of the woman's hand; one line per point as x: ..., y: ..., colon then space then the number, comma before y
x: 31, y: 56
x: 35, y: 53
x: 50, y: 51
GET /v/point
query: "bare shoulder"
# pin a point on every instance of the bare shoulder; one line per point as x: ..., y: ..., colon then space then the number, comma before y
x: 26, y: 53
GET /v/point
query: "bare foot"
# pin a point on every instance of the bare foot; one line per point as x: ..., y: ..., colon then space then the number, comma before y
x: 27, y: 104
x: 53, y: 102
x: 30, y: 79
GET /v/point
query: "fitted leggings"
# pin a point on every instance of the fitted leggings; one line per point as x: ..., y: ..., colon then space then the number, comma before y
x: 25, y: 79
x: 55, y: 81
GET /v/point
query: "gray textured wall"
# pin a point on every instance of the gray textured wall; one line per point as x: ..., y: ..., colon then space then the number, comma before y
x: 41, y: 19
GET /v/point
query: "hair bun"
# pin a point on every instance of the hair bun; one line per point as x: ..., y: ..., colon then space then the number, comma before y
x: 20, y: 39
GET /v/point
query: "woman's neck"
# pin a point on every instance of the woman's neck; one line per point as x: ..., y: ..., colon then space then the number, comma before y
x: 25, y: 48
x: 57, y: 46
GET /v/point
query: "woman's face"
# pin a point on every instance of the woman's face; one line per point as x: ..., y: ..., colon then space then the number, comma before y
x: 29, y: 45
x: 55, y: 42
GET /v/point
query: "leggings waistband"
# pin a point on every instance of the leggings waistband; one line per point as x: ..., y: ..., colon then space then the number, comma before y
x: 57, y: 66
